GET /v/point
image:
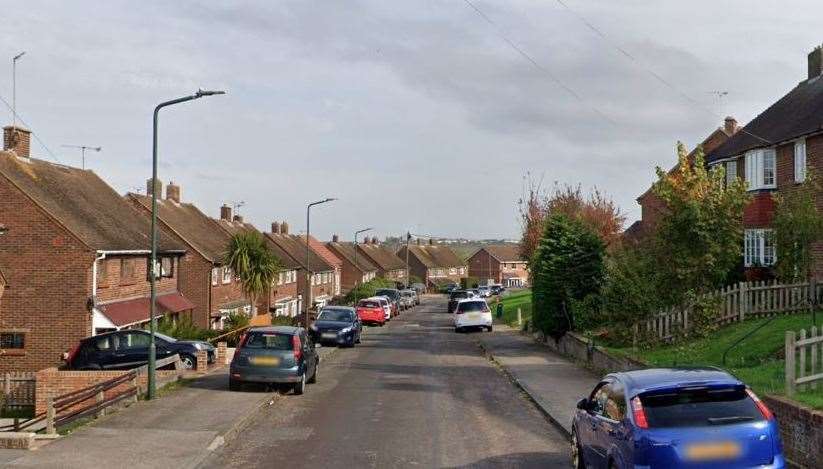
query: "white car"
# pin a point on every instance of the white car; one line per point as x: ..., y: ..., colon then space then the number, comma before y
x: 472, y: 313
x: 484, y: 291
x: 385, y: 302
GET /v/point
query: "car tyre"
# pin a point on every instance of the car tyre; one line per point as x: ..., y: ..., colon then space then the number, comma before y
x: 458, y: 329
x: 235, y: 385
x: 577, y: 453
x: 314, y: 375
x: 490, y: 328
x: 300, y: 387
x: 188, y: 362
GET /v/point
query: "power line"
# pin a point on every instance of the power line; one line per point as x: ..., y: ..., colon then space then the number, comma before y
x: 536, y: 64
x: 34, y: 134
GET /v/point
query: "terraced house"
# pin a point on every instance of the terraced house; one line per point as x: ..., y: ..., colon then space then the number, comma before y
x: 204, y: 278
x: 389, y: 265
x: 435, y: 264
x: 356, y: 267
x: 75, y: 258
x: 774, y: 153
x: 322, y: 274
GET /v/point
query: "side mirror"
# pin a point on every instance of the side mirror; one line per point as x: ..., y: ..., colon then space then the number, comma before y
x: 583, y: 404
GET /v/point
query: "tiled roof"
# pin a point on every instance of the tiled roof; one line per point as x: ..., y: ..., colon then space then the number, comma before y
x: 382, y: 256
x: 323, y: 251
x: 346, y: 251
x: 434, y: 255
x: 798, y: 113
x: 187, y: 221
x: 504, y: 252
x: 124, y: 313
x: 84, y: 204
x: 235, y: 227
x: 295, y: 246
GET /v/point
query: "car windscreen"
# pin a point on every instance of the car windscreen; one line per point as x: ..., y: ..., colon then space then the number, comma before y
x: 389, y: 293
x: 268, y: 341
x: 459, y: 295
x: 368, y: 304
x: 699, y: 407
x: 335, y: 315
x: 473, y: 307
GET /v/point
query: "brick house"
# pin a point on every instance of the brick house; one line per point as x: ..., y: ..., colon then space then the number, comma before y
x: 203, y: 277
x: 773, y: 153
x: 499, y: 264
x: 284, y: 296
x: 356, y: 267
x: 330, y: 257
x: 651, y: 207
x: 435, y: 264
x: 322, y: 274
x: 75, y: 257
x: 389, y: 265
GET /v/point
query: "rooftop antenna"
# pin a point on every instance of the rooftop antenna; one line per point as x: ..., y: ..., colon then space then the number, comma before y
x: 236, y: 206
x: 14, y: 88
x: 83, y: 149
x: 719, y: 95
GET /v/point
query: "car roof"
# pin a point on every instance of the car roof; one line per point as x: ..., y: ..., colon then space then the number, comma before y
x: 470, y: 300
x: 279, y: 329
x: 344, y: 308
x: 377, y: 298
x: 651, y: 379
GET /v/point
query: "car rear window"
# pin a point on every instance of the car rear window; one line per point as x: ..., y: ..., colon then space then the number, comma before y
x: 458, y: 295
x: 335, y: 315
x: 269, y: 341
x: 699, y: 407
x: 368, y: 304
x: 473, y: 307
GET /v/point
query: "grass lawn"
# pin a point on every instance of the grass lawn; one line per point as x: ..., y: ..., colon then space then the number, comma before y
x: 520, y: 299
x: 758, y: 360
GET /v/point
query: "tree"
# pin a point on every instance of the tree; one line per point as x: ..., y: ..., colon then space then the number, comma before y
x: 797, y: 225
x: 596, y: 211
x: 700, y: 235
x: 567, y: 266
x: 251, y: 260
x: 532, y: 209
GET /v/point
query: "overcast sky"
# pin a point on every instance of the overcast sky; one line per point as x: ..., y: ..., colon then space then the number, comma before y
x: 415, y: 114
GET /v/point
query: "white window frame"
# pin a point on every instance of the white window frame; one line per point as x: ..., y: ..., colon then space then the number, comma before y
x: 215, y: 276
x: 226, y: 275
x: 758, y: 247
x: 731, y: 172
x: 800, y: 156
x: 761, y: 168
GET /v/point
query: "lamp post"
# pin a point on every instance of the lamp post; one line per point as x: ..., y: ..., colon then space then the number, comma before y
x: 307, y: 296
x: 152, y: 387
x: 408, y: 279
x: 355, y: 259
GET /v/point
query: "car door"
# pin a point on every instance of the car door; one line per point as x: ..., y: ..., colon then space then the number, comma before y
x: 309, y: 353
x: 593, y: 449
x: 612, y: 434
x: 134, y: 348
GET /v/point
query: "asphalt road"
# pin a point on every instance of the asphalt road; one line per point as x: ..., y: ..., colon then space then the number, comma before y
x: 413, y: 394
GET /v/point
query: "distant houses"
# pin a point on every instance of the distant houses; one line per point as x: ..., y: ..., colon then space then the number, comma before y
x: 433, y: 264
x: 500, y: 264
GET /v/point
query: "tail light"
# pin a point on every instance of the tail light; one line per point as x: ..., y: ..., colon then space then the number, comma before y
x: 761, y: 406
x: 69, y: 358
x: 297, y: 347
x: 242, y: 341
x: 639, y: 414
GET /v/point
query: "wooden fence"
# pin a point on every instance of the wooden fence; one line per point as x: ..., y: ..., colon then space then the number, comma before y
x: 18, y: 390
x: 735, y: 303
x: 803, y: 360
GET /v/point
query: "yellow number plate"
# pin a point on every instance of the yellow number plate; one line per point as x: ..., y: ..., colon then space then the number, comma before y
x: 474, y: 316
x: 709, y: 451
x: 266, y: 361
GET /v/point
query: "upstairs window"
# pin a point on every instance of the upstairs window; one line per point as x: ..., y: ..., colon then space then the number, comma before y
x: 215, y: 275
x: 800, y: 161
x: 761, y: 172
x: 226, y: 275
x: 731, y: 172
x: 758, y: 248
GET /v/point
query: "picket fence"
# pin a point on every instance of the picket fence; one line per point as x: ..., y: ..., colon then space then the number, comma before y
x: 801, y: 373
x: 736, y: 303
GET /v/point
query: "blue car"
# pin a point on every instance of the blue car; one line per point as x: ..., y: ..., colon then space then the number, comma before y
x: 338, y: 325
x: 674, y: 418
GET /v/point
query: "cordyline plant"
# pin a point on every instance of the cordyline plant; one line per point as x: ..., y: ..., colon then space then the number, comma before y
x: 797, y: 225
x: 251, y: 260
x: 700, y: 235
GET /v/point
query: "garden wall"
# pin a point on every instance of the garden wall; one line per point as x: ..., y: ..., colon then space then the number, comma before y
x: 801, y: 430
x: 581, y: 350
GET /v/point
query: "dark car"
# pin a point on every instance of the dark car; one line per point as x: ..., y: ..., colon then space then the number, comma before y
x: 393, y: 295
x: 456, y: 296
x: 497, y: 289
x: 130, y: 349
x: 339, y: 325
x: 672, y: 418
x: 449, y: 288
x: 275, y: 355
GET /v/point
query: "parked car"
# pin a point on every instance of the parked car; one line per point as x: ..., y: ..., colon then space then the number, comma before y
x: 339, y: 325
x: 370, y: 311
x: 415, y: 296
x: 393, y: 295
x: 497, y: 289
x: 408, y: 298
x: 472, y: 314
x: 484, y: 291
x: 129, y: 348
x: 387, y: 306
x: 455, y: 297
x: 449, y: 287
x: 672, y: 418
x: 419, y: 288
x: 475, y: 293
x: 275, y: 355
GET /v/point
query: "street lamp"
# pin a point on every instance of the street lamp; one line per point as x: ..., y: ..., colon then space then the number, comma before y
x: 355, y: 259
x: 307, y: 296
x: 152, y: 388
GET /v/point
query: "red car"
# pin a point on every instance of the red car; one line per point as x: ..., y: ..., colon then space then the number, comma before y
x: 371, y: 312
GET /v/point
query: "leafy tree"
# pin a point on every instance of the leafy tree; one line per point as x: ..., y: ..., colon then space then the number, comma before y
x: 797, y: 225
x: 366, y: 289
x: 700, y: 235
x: 567, y: 266
x: 596, y: 211
x: 253, y: 263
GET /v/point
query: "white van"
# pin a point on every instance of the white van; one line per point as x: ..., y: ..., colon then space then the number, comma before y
x: 473, y: 312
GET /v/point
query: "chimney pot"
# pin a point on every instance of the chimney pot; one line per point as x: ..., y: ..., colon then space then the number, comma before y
x: 275, y: 227
x: 815, y: 61
x: 284, y: 228
x: 173, y: 192
x: 158, y: 187
x: 730, y: 125
x: 335, y: 238
x: 238, y: 218
x: 17, y: 140
x: 225, y: 212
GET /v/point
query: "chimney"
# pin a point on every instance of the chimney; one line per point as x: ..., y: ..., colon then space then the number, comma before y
x: 730, y: 125
x: 173, y: 192
x: 158, y: 186
x: 815, y: 62
x: 431, y: 241
x: 335, y: 239
x: 275, y: 228
x: 238, y: 218
x: 225, y: 212
x: 284, y: 228
x: 17, y: 140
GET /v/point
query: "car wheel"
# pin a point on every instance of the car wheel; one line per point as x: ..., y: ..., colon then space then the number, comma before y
x: 300, y: 387
x: 314, y: 375
x: 235, y: 385
x: 457, y: 329
x: 358, y: 338
x: 490, y: 328
x: 188, y: 362
x: 577, y: 454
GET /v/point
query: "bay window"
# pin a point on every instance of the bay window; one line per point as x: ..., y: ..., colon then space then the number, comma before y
x: 800, y: 161
x: 761, y: 171
x: 758, y: 248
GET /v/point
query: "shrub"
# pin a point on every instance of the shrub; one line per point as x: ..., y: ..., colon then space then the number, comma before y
x: 365, y: 290
x: 184, y: 329
x: 469, y: 282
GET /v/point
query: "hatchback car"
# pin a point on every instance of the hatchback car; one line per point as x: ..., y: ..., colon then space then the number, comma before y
x: 370, y: 311
x: 129, y: 348
x: 393, y: 295
x: 484, y: 291
x: 672, y: 418
x: 408, y: 297
x: 274, y: 355
x: 339, y: 325
x: 472, y: 314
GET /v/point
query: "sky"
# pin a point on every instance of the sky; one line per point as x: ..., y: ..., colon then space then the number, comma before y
x: 422, y: 116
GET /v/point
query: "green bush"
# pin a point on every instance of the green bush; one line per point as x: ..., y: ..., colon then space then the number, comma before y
x: 469, y: 282
x: 365, y: 290
x: 184, y: 329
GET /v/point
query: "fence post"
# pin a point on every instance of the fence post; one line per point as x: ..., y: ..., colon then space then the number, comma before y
x: 814, y: 353
x: 222, y: 355
x: 802, y: 359
x: 50, y: 416
x: 101, y: 397
x: 16, y: 424
x: 790, y: 370
x: 744, y: 300
x: 519, y: 319
x: 136, y: 385
x: 812, y: 294
x: 202, y: 365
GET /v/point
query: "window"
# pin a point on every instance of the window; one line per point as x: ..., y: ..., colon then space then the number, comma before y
x: 226, y: 275
x: 280, y: 278
x: 616, y: 403
x: 758, y: 248
x: 134, y: 340
x: 167, y: 267
x: 760, y: 168
x: 127, y: 272
x: 215, y: 275
x: 102, y: 272
x: 800, y: 161
x: 452, y: 271
x: 12, y: 340
x: 697, y: 407
x: 731, y: 172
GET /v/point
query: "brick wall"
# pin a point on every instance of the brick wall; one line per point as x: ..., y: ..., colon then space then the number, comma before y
x: 49, y: 284
x: 112, y: 286
x: 483, y: 266
x: 801, y: 430
x: 760, y: 211
x: 195, y: 284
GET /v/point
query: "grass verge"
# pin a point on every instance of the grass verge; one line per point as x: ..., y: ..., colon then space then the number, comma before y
x: 520, y: 299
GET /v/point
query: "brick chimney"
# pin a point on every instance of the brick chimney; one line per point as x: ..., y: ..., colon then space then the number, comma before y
x: 18, y: 140
x: 158, y: 186
x: 815, y: 62
x: 335, y: 238
x: 730, y: 125
x: 238, y: 218
x: 275, y: 227
x: 173, y: 192
x: 284, y: 228
x: 225, y: 212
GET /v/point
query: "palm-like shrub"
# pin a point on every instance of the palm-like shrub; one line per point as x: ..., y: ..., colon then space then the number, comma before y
x: 251, y: 260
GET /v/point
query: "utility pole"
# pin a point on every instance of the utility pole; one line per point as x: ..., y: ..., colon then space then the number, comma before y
x: 355, y: 259
x: 408, y: 278
x: 83, y: 149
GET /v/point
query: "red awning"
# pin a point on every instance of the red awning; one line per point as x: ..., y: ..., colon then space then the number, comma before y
x: 123, y: 313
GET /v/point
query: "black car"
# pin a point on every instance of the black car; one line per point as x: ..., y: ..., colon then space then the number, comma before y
x: 339, y: 325
x: 497, y: 289
x: 392, y: 294
x: 129, y: 348
x: 455, y: 296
